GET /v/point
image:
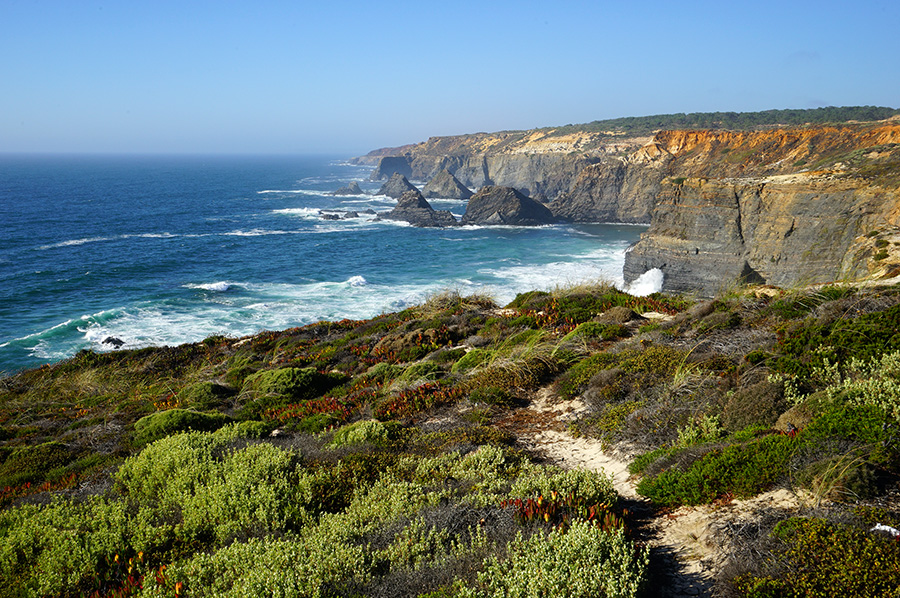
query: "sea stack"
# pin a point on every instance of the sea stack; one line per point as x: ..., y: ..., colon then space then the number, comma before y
x: 446, y: 186
x: 351, y: 189
x: 505, y: 205
x: 413, y: 208
x: 396, y: 186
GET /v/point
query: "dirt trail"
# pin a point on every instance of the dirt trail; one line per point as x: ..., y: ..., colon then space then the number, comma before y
x: 686, y: 550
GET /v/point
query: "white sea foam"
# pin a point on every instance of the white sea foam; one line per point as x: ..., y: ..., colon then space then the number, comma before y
x: 306, y: 213
x: 647, y: 283
x: 259, y: 232
x: 75, y: 242
x: 293, y: 191
x: 219, y: 287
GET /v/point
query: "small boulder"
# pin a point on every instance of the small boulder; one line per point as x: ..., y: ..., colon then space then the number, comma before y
x: 446, y: 186
x: 351, y: 189
x: 505, y: 205
x: 396, y: 186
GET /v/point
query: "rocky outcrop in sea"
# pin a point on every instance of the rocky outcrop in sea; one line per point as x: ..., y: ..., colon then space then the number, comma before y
x: 351, y: 189
x: 413, y: 208
x: 505, y: 205
x: 446, y: 186
x: 396, y: 186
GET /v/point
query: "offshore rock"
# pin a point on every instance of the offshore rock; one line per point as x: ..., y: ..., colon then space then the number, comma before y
x: 505, y: 205
x: 446, y: 186
x: 396, y: 186
x: 351, y: 189
x: 413, y: 208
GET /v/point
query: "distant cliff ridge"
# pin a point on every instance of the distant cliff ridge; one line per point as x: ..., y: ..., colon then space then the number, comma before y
x: 782, y: 206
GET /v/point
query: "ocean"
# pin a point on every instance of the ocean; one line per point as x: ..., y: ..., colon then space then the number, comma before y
x: 162, y: 250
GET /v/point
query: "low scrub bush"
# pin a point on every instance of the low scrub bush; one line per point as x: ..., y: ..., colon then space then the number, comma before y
x: 582, y: 562
x: 366, y: 431
x: 738, y: 470
x: 165, y: 423
x: 574, y: 381
x: 818, y: 558
x: 205, y: 396
x: 33, y: 463
x: 271, y: 389
x: 760, y: 403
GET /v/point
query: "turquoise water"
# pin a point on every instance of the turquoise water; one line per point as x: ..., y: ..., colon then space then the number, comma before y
x: 166, y: 250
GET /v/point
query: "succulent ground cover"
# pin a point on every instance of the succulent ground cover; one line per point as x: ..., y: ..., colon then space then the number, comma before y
x: 359, y: 458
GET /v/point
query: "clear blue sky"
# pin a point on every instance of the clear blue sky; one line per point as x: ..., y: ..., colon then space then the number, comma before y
x: 336, y: 76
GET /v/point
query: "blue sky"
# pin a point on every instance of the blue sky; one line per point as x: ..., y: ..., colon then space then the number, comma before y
x: 346, y: 77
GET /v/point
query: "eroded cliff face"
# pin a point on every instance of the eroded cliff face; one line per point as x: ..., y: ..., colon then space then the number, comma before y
x: 781, y: 206
x: 540, y: 164
x: 783, y: 230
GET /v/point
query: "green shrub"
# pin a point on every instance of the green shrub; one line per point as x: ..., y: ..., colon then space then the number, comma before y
x: 271, y: 389
x: 584, y: 486
x: 808, y: 345
x: 532, y: 300
x: 610, y: 420
x: 602, y: 330
x: 314, y: 424
x: 205, y: 396
x: 383, y: 372
x: 741, y: 470
x: 202, y: 493
x: 825, y: 559
x: 60, y: 548
x: 304, y: 569
x: 760, y: 403
x: 583, y: 562
x: 365, y: 431
x: 33, y: 463
x: 445, y: 356
x: 164, y: 423
x: 574, y: 381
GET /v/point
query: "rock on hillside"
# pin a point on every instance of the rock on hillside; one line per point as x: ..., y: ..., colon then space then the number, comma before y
x: 445, y: 185
x: 351, y: 189
x: 412, y: 207
x: 505, y: 205
x: 396, y: 186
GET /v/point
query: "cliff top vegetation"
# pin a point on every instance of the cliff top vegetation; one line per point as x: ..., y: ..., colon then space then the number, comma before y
x: 383, y: 457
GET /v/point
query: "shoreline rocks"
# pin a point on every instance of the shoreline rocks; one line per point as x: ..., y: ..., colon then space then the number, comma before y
x: 413, y: 208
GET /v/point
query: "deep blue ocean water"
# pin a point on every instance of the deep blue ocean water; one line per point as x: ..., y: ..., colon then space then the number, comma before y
x: 164, y: 250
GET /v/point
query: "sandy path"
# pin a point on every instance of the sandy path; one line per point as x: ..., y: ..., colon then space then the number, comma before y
x: 686, y: 549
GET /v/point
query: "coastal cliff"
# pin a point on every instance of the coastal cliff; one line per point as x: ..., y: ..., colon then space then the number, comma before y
x: 762, y: 216
x: 781, y: 205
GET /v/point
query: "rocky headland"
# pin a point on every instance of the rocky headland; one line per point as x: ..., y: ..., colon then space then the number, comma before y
x: 778, y: 205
